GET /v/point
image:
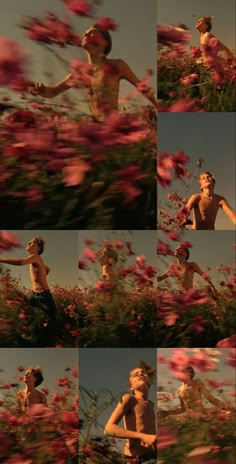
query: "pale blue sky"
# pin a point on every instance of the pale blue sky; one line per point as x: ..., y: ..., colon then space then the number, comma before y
x: 53, y: 362
x: 223, y: 26
x: 134, y: 41
x: 210, y: 136
x: 60, y: 254
x: 221, y: 372
x: 209, y: 249
x: 143, y: 243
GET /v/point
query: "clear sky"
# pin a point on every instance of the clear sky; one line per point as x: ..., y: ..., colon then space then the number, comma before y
x: 210, y: 136
x: 209, y: 249
x: 175, y: 12
x: 134, y: 41
x: 101, y: 368
x: 221, y: 372
x: 53, y: 362
x: 60, y: 254
x: 143, y: 243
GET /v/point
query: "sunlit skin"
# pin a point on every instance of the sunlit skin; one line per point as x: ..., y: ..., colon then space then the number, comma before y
x: 103, y: 91
x: 137, y: 412
x: 191, y: 395
x: 38, y: 270
x: 108, y: 270
x: 205, y: 36
x: 186, y: 271
x: 30, y: 395
x: 205, y: 205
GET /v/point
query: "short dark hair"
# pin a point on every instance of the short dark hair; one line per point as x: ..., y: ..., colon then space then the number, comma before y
x: 111, y: 253
x: 190, y: 370
x: 207, y: 20
x: 40, y: 242
x: 38, y: 374
x: 107, y: 36
x: 187, y: 252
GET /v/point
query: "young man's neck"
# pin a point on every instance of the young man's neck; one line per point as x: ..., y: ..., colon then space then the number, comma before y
x: 96, y: 58
x: 29, y: 388
x: 181, y: 261
x: 141, y: 394
x: 208, y: 191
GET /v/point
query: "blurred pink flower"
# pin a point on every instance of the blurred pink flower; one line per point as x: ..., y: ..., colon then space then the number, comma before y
x: 74, y: 173
x: 102, y: 286
x: 171, y: 35
x: 79, y: 7
x: 229, y: 342
x: 82, y: 264
x: 90, y: 255
x: 173, y: 236
x: 179, y: 161
x: 166, y: 437
x: 164, y: 165
x: 12, y: 63
x: 231, y: 357
x: 8, y: 241
x: 107, y: 24
x: 20, y: 368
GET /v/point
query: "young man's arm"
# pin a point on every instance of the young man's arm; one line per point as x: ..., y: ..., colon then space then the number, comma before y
x: 187, y: 209
x: 210, y: 397
x: 20, y: 261
x: 51, y: 91
x: 174, y: 412
x: 127, y: 74
x: 228, y: 210
x: 197, y: 269
x: 47, y: 269
x: 163, y: 276
x: 112, y: 427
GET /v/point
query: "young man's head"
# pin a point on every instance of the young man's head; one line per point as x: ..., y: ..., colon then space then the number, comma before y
x: 107, y: 256
x: 36, y: 246
x: 188, y: 373
x: 33, y: 375
x: 182, y: 252
x: 139, y: 379
x: 97, y: 40
x: 206, y: 179
x: 204, y: 24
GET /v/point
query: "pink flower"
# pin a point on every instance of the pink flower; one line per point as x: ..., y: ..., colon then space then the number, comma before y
x: 164, y: 165
x: 186, y: 244
x: 82, y: 264
x: 202, y: 362
x: 171, y: 35
x: 166, y: 437
x: 90, y: 255
x: 173, y: 236
x: 231, y: 357
x: 188, y: 80
x: 179, y: 161
x: 12, y: 62
x: 89, y: 241
x: 75, y: 373
x: 74, y: 173
x: 229, y: 342
x: 126, y: 182
x: 102, y: 286
x: 20, y: 368
x: 79, y: 7
x: 70, y: 420
x: 8, y: 241
x: 107, y: 24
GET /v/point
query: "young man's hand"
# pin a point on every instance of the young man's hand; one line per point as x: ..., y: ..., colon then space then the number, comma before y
x: 38, y: 89
x: 148, y: 440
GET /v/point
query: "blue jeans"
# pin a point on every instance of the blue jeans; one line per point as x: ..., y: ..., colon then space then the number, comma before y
x: 44, y: 301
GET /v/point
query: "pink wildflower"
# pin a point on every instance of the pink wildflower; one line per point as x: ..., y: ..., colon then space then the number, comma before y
x: 107, y: 24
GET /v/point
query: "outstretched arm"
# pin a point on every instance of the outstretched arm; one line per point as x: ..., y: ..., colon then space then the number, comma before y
x: 210, y: 397
x: 228, y: 210
x: 112, y: 427
x: 20, y: 261
x: 127, y: 74
x: 163, y: 276
x: 197, y: 269
x: 51, y: 91
x: 185, y: 212
x: 225, y: 49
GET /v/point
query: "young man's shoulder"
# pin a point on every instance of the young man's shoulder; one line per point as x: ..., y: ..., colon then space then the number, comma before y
x: 219, y: 197
x: 127, y: 398
x: 195, y: 197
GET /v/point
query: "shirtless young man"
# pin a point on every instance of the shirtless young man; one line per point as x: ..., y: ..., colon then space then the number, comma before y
x: 26, y: 398
x: 206, y: 204
x: 103, y: 91
x: 137, y: 412
x: 204, y: 27
x: 190, y: 394
x: 185, y: 270
x: 41, y: 296
x: 108, y: 258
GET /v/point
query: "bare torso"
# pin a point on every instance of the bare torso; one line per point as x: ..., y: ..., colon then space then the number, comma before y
x: 191, y: 395
x: 140, y: 417
x: 38, y: 276
x: 27, y: 400
x: 103, y: 92
x: 206, y: 47
x: 185, y: 275
x: 205, y: 211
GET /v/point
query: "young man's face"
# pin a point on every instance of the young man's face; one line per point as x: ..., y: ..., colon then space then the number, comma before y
x: 206, y: 180
x: 138, y: 378
x: 32, y: 247
x: 29, y: 376
x: 180, y: 251
x: 93, y: 38
x: 201, y: 25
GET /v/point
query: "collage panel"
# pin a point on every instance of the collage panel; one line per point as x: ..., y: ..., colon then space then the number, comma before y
x: 39, y: 406
x: 196, y: 56
x: 39, y: 293
x: 117, y: 406
x: 196, y: 405
x: 78, y: 115
x: 196, y: 171
x: 196, y: 288
x: 117, y: 274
